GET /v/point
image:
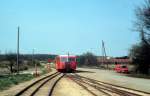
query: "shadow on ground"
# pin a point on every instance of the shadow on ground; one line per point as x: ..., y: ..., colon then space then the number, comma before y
x: 77, y: 71
x: 91, y: 67
x: 83, y: 71
x: 138, y: 76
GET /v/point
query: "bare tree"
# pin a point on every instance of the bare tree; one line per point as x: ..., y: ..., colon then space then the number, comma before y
x: 140, y: 53
x: 11, y: 57
x: 87, y: 59
x: 142, y: 23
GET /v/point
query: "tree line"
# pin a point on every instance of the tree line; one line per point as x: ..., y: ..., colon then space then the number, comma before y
x: 87, y: 59
x: 140, y: 52
x: 25, y: 60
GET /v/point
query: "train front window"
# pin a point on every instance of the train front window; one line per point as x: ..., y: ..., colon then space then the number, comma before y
x: 64, y: 59
x: 71, y: 59
x: 124, y: 66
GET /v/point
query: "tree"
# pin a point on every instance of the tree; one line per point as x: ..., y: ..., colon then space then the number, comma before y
x: 142, y: 23
x: 140, y: 52
x: 11, y: 57
x: 87, y: 59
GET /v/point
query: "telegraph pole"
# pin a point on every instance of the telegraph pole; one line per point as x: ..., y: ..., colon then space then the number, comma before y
x: 18, y: 50
x: 33, y: 57
x: 102, y: 54
x: 68, y: 57
x: 34, y: 63
x: 104, y: 57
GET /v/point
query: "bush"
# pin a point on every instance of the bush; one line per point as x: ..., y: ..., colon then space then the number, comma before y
x: 9, y: 80
x: 87, y: 59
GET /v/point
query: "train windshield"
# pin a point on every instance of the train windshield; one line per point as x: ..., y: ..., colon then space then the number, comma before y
x: 64, y: 59
x: 124, y: 66
x: 71, y: 59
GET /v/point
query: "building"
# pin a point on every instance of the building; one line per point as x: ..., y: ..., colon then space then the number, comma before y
x: 111, y: 60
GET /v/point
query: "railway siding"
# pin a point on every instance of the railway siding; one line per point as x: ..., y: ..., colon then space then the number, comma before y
x: 33, y: 88
x: 121, y: 91
x: 117, y: 79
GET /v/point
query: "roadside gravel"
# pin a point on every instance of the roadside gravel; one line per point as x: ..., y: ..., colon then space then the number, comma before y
x: 67, y: 87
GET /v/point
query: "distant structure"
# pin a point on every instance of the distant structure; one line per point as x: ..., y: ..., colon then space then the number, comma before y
x: 111, y: 60
x: 106, y: 60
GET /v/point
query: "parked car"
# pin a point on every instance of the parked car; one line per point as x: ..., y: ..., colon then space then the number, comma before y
x: 121, y: 68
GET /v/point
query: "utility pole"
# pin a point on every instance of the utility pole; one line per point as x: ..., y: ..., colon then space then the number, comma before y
x: 34, y: 63
x: 33, y: 57
x: 104, y: 57
x: 102, y: 54
x: 18, y: 51
x: 68, y: 57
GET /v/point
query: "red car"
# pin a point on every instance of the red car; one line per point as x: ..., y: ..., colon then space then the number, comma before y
x: 65, y: 63
x: 121, y: 68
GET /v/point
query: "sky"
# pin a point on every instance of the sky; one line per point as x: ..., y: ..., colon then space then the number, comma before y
x: 74, y: 26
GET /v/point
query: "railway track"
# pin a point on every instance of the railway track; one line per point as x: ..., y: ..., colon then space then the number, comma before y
x: 42, y: 87
x: 98, y: 88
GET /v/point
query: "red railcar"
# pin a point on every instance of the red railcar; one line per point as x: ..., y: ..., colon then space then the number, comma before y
x: 65, y: 63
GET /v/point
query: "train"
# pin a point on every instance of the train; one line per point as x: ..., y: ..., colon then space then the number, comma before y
x: 66, y: 63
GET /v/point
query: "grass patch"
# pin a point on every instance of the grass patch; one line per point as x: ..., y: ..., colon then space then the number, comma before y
x: 7, y: 81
